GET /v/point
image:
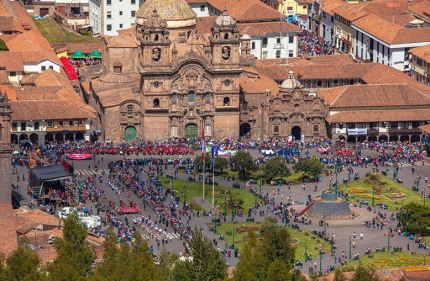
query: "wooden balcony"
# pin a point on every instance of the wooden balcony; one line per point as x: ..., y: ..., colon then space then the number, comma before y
x: 66, y: 128
x: 404, y: 131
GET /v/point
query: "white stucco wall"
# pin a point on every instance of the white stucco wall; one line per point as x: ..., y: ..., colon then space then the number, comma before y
x: 269, y: 51
x: 201, y: 9
x: 37, y: 67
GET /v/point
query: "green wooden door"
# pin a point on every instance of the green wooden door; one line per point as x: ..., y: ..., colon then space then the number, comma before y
x: 191, y: 131
x: 130, y: 133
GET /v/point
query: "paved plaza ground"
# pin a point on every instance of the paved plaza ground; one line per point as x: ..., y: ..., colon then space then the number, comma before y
x: 342, y: 229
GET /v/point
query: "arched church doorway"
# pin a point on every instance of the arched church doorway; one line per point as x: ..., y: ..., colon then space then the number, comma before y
x: 296, y: 132
x: 191, y: 131
x: 14, y: 139
x: 245, y: 130
x: 130, y: 133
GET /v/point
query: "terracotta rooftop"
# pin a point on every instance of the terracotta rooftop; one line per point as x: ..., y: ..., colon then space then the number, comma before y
x: 247, y: 10
x: 14, y: 17
x: 425, y: 128
x: 204, y: 24
x: 4, y: 79
x: 390, y: 32
x: 9, y: 90
x: 380, y: 115
x: 252, y: 82
x: 421, y: 10
x: 123, y: 41
x: 38, y: 216
x: 351, y: 12
x: 196, y: 1
x: 11, y: 61
x: 8, y: 230
x: 328, y: 5
x: 264, y: 28
x: 48, y: 110
x: 422, y: 52
x: 85, y: 48
x: 366, y: 96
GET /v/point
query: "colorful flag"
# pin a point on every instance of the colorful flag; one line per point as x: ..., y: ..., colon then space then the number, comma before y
x: 203, y: 145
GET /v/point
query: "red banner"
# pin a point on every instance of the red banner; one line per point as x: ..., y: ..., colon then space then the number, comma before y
x: 80, y: 156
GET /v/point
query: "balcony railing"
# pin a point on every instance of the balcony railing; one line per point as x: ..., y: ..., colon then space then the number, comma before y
x: 66, y: 128
x: 404, y: 130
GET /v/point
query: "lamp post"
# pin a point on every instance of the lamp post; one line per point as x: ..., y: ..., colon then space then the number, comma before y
x: 306, y: 249
x: 215, y: 223
x: 185, y: 195
x: 350, y: 244
x: 225, y: 202
x: 373, y: 196
x: 232, y: 209
x: 388, y: 235
x: 335, y: 171
x: 232, y: 244
x: 320, y: 261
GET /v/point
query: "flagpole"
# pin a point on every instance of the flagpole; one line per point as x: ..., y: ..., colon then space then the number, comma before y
x: 213, y: 180
x: 203, y: 156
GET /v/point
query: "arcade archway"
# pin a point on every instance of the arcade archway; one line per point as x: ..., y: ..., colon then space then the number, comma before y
x: 34, y: 138
x: 14, y: 139
x: 245, y: 130
x: 296, y: 132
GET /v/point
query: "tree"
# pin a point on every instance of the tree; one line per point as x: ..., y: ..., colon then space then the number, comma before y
x: 199, y: 162
x: 278, y: 271
x: 3, y: 46
x: 242, y: 162
x: 415, y: 218
x: 221, y: 164
x: 362, y: 274
x: 207, y: 263
x: 124, y: 262
x: 251, y: 264
x: 270, y: 258
x: 22, y: 265
x: 74, y: 255
x: 275, y: 167
x: 311, y: 167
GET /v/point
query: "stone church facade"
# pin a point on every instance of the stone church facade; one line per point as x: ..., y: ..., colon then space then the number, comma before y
x: 164, y: 80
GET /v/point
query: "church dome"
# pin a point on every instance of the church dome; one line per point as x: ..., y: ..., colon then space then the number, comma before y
x: 177, y: 13
x: 290, y: 82
x: 225, y: 20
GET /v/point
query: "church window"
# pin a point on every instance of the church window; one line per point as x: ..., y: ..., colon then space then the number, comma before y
x: 226, y: 101
x: 156, y: 37
x: 278, y: 54
x: 208, y: 96
x: 291, y: 39
x: 156, y: 103
x: 253, y: 45
x: 191, y: 97
x: 130, y: 109
x: 117, y: 69
x: 245, y: 106
x: 227, y: 83
x: 226, y: 36
x: 276, y: 129
x: 156, y: 84
x: 316, y: 129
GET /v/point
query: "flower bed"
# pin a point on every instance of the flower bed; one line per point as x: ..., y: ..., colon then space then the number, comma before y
x: 358, y: 190
x: 396, y: 195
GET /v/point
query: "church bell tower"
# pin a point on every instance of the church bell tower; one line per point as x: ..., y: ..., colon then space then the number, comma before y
x: 5, y: 151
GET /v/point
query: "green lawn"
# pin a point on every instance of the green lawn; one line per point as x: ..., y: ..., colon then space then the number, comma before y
x: 299, y: 239
x: 195, y: 189
x: 384, y: 260
x: 56, y: 35
x: 388, y: 188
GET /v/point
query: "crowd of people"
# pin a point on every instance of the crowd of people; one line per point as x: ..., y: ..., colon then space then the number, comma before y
x: 314, y: 45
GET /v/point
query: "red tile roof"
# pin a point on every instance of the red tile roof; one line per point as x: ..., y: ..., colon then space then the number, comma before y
x: 390, y: 32
x: 367, y: 96
x: 247, y: 10
x: 422, y: 52
x: 264, y: 28
x: 380, y: 115
x: 252, y: 82
x: 8, y: 228
x: 421, y: 9
x: 11, y: 61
